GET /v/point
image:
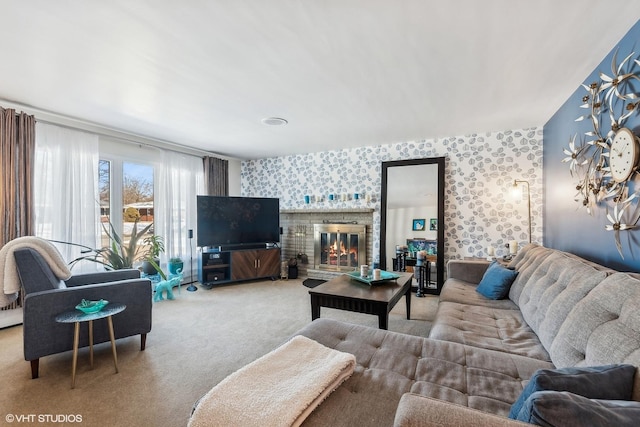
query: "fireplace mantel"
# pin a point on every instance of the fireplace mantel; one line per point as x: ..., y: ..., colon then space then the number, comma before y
x: 321, y: 211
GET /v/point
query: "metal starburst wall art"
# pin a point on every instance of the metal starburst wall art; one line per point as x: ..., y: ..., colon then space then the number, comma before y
x: 609, y: 103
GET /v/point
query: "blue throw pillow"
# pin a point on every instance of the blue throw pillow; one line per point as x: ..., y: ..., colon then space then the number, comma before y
x: 496, y: 282
x: 561, y: 408
x: 612, y: 382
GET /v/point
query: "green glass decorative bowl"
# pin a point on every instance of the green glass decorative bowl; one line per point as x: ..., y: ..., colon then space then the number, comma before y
x: 87, y: 306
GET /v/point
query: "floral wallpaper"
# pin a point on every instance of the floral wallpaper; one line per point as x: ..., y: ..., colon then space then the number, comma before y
x: 479, y: 172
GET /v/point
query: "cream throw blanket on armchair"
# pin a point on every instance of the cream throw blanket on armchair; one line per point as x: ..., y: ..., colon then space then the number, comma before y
x: 9, y: 272
x: 280, y: 389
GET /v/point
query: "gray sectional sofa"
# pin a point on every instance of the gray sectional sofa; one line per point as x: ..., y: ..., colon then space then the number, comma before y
x: 561, y: 311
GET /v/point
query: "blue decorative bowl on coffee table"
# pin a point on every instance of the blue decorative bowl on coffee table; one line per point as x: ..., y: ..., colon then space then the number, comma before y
x: 87, y: 306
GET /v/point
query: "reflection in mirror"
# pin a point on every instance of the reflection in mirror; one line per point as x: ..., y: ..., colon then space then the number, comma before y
x: 412, y: 214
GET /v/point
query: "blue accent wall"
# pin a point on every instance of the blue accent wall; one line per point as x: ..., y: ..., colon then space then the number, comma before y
x: 567, y: 225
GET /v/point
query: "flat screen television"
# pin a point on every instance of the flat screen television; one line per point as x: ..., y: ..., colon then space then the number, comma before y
x: 237, y: 221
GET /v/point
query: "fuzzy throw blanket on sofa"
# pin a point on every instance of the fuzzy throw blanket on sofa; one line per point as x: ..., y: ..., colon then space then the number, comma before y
x: 9, y: 271
x: 279, y: 389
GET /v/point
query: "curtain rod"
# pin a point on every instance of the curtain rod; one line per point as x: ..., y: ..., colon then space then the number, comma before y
x: 57, y: 119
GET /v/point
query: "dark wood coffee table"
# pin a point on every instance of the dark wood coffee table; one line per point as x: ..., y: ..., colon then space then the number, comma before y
x: 345, y: 293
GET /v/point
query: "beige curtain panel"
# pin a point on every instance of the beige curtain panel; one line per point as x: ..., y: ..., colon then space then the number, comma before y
x: 17, y: 146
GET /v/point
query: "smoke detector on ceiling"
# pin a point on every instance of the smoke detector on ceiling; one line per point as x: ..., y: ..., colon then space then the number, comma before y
x: 274, y: 121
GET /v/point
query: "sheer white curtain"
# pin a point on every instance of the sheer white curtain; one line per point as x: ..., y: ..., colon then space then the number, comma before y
x: 180, y: 179
x: 66, y: 188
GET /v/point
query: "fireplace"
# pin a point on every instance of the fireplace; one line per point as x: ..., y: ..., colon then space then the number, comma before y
x: 339, y: 247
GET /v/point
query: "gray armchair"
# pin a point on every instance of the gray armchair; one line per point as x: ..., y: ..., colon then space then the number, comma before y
x: 45, y: 297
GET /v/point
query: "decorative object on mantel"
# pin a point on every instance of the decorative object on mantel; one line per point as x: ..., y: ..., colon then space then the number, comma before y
x: 321, y: 210
x: 335, y: 197
x: 605, y: 160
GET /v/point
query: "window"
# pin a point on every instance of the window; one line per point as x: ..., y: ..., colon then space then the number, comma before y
x: 83, y: 181
x: 130, y: 204
x: 104, y: 187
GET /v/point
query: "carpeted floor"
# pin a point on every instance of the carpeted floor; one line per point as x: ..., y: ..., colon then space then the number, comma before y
x: 195, y: 342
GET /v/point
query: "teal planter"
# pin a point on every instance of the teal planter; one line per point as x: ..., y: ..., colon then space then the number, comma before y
x: 176, y: 267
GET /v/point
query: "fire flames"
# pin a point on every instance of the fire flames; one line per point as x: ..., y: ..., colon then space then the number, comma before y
x: 338, y: 251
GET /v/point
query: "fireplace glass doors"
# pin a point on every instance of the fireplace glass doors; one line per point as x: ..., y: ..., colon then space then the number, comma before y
x: 339, y: 247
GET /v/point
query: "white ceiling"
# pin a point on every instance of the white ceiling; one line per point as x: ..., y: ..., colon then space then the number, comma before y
x: 344, y: 73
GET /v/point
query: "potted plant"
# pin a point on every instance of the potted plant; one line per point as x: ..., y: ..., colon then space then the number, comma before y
x: 151, y: 263
x: 176, y: 265
x: 118, y: 254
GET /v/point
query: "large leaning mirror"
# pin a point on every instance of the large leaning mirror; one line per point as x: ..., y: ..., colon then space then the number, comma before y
x: 412, y: 214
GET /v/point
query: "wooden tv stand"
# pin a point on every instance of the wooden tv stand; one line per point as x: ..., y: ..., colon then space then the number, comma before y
x: 225, y: 266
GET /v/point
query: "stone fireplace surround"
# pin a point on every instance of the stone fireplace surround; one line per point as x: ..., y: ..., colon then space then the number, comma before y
x: 301, y: 221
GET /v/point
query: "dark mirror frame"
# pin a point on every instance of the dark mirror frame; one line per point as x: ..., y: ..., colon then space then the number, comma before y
x: 440, y: 161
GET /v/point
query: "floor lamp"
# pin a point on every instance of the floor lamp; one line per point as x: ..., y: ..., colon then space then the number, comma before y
x: 515, y: 189
x: 192, y: 287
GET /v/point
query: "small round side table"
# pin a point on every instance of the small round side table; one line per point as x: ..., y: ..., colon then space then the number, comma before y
x: 76, y: 316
